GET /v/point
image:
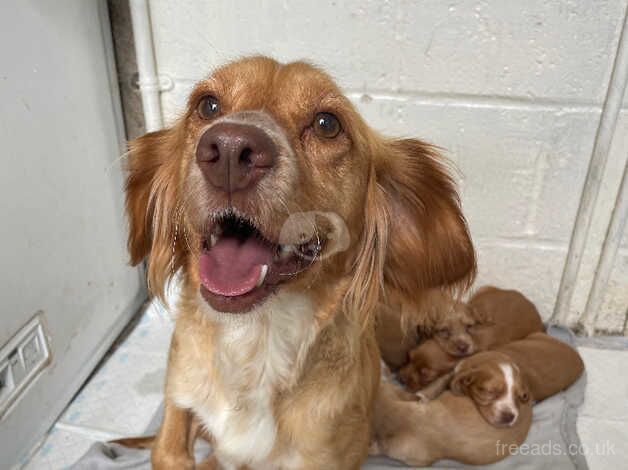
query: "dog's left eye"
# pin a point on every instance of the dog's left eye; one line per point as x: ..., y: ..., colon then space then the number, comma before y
x: 326, y: 125
x: 208, y: 107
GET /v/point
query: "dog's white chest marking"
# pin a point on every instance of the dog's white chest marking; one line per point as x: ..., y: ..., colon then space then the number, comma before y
x: 254, y: 359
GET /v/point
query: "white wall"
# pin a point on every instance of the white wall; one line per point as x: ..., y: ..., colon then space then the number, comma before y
x: 512, y: 89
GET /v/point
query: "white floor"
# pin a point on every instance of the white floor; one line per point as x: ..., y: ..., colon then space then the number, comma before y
x: 120, y: 399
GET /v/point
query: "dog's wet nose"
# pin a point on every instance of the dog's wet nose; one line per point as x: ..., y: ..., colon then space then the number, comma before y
x: 462, y: 347
x: 234, y: 157
x: 506, y: 417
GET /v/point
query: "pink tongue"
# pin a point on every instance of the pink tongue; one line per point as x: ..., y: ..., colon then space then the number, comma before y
x: 232, y: 267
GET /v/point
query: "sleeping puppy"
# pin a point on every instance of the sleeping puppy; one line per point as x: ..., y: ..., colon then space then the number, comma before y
x: 449, y: 427
x: 507, y: 315
x: 399, y: 322
x: 492, y: 317
x: 285, y: 216
x: 426, y: 363
x: 452, y: 324
x: 503, y: 380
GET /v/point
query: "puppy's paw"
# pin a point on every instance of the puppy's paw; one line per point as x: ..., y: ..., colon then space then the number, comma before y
x: 421, y: 397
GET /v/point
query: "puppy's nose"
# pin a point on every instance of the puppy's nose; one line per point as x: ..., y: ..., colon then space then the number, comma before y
x: 234, y: 157
x: 462, y: 347
x: 506, y: 417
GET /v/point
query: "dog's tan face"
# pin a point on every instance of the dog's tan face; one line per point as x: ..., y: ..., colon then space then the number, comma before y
x: 271, y: 181
x: 454, y: 331
x: 496, y: 386
x: 425, y: 364
x: 265, y: 143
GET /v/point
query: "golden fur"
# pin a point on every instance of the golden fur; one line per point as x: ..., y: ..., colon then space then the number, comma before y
x: 448, y: 427
x: 292, y: 383
x: 541, y: 366
x: 508, y: 316
x: 426, y: 362
x: 491, y: 318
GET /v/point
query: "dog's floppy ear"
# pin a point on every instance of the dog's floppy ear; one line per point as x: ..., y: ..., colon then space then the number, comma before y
x: 460, y: 384
x: 144, y: 160
x: 428, y: 241
x: 415, y: 236
x: 151, y: 197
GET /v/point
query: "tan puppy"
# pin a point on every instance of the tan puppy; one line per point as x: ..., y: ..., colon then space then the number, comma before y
x: 432, y: 310
x: 449, y: 427
x: 452, y: 324
x: 492, y: 317
x: 503, y: 380
x: 286, y: 217
x: 508, y: 316
x: 426, y: 363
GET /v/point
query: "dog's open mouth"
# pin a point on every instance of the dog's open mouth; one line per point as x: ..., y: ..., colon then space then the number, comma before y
x: 239, y: 267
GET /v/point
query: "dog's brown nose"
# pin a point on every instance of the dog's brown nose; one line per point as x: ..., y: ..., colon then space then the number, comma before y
x: 462, y: 347
x: 506, y: 417
x: 234, y: 157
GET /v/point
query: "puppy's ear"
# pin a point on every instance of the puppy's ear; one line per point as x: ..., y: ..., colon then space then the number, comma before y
x: 428, y: 239
x: 523, y: 395
x: 151, y: 200
x: 461, y: 383
x: 424, y: 331
x: 483, y: 318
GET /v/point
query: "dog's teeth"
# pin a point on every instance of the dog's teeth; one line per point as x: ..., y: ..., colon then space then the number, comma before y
x: 262, y: 275
x: 212, y: 240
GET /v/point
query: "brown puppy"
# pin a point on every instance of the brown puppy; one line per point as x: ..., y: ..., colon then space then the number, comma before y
x: 452, y: 323
x: 426, y: 363
x: 398, y: 334
x: 502, y: 380
x: 286, y: 216
x: 492, y: 317
x: 449, y: 427
x: 508, y: 316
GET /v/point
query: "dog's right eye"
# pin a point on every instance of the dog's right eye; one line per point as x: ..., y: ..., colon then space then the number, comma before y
x: 443, y: 333
x: 208, y: 107
x: 326, y: 125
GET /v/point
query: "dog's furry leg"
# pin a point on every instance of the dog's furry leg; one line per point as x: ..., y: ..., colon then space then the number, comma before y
x: 172, y: 445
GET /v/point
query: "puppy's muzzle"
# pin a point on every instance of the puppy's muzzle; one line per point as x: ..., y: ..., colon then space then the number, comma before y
x: 235, y: 157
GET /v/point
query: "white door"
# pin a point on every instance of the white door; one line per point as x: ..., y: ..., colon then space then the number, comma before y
x: 62, y: 230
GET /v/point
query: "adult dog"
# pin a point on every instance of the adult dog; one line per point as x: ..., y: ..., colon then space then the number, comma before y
x: 287, y: 217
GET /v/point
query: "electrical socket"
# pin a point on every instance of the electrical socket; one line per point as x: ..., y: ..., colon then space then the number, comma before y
x: 21, y: 361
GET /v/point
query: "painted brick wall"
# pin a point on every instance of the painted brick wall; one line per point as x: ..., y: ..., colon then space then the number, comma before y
x: 512, y: 89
